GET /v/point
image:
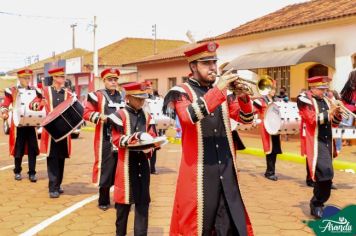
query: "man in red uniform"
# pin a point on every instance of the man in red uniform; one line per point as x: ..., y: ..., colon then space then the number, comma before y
x: 271, y: 143
x: 208, y: 199
x: 99, y: 105
x: 22, y: 140
x: 132, y: 178
x: 348, y: 93
x: 56, y: 152
x: 318, y: 118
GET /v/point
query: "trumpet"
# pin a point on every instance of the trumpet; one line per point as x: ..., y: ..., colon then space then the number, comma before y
x: 242, y: 85
x: 345, y: 112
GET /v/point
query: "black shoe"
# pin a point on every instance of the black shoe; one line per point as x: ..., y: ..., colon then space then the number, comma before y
x: 60, y: 190
x: 104, y: 207
x: 154, y: 172
x: 54, y: 194
x: 333, y: 187
x: 272, y: 177
x: 317, y: 212
x: 18, y: 177
x: 32, y: 178
x: 310, y: 183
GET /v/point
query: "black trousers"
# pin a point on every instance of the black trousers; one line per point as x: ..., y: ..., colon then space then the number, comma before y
x: 141, y: 219
x: 55, y: 169
x: 104, y: 196
x: 222, y: 222
x: 321, y: 192
x: 308, y: 178
x: 26, y: 136
x: 153, y: 161
x: 271, y: 164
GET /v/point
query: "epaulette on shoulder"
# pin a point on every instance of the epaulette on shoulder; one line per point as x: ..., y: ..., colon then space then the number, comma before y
x: 304, y: 98
x: 8, y: 91
x: 92, y: 96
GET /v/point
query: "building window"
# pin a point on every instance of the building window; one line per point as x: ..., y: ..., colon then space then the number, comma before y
x: 318, y: 70
x: 154, y: 83
x: 172, y: 81
x: 282, y: 77
x: 185, y: 79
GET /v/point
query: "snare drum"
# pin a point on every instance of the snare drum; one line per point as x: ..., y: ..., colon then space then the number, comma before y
x: 344, y: 133
x: 244, y: 127
x: 22, y: 115
x: 154, y: 108
x: 282, y: 118
x: 64, y: 119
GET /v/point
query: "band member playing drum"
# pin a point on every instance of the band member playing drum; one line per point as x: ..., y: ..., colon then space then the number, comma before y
x: 318, y: 117
x: 132, y: 178
x: 100, y: 104
x: 51, y: 97
x: 271, y: 143
x: 208, y: 199
x: 22, y: 140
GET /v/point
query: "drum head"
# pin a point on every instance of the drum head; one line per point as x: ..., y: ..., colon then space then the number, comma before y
x: 143, y: 145
x: 58, y: 110
x: 272, y: 120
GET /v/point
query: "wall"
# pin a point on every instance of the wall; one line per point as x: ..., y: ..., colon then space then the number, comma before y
x: 331, y: 32
x: 162, y: 71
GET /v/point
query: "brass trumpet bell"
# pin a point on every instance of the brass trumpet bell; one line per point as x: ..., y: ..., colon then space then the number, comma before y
x: 264, y: 85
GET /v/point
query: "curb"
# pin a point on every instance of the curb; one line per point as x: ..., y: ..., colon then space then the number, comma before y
x: 292, y: 157
x: 287, y: 156
x: 88, y: 128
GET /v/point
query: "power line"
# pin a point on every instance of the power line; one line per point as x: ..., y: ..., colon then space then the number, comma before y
x: 43, y: 17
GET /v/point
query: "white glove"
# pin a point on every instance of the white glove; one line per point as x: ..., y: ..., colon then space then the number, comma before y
x: 146, y: 137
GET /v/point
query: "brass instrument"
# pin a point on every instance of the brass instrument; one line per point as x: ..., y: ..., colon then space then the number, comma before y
x: 263, y: 85
x: 345, y: 112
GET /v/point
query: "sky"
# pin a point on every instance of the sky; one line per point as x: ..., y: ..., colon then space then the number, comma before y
x: 37, y: 28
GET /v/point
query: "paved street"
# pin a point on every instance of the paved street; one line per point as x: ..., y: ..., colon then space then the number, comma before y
x: 275, y: 208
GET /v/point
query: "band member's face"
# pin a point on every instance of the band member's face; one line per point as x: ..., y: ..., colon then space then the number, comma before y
x: 25, y: 81
x: 111, y: 83
x: 59, y: 80
x: 319, y: 92
x: 136, y: 103
x: 206, y: 71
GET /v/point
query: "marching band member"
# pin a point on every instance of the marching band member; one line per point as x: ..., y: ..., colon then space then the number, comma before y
x: 208, y: 198
x: 318, y: 117
x: 132, y: 178
x: 56, y: 152
x: 271, y: 143
x: 100, y: 104
x: 22, y: 140
x: 348, y: 94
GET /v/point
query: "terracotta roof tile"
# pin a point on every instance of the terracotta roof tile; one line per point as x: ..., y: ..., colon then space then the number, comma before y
x: 77, y: 52
x: 130, y: 49
x: 176, y: 53
x: 294, y: 15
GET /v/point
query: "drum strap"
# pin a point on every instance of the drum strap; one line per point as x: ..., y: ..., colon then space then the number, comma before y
x: 111, y: 103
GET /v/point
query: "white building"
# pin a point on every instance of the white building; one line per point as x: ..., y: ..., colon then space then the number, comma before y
x: 296, y: 42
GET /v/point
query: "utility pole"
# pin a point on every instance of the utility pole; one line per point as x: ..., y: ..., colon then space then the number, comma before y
x: 95, y: 54
x: 154, y: 34
x: 73, y: 34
